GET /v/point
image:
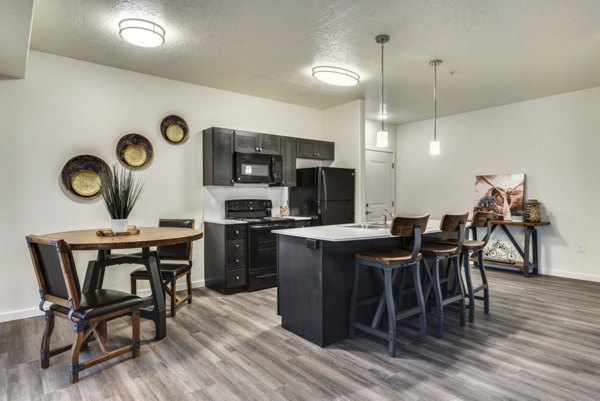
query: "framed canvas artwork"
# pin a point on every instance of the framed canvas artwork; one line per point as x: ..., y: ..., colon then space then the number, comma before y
x: 501, y: 194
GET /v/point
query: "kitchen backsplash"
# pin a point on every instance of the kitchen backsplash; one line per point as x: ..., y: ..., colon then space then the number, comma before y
x: 215, y: 197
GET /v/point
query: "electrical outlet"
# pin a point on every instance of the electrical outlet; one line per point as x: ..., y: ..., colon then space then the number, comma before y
x: 580, y: 248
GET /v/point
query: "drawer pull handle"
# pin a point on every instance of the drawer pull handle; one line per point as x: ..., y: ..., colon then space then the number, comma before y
x: 237, y: 277
x: 237, y: 246
x: 237, y: 261
x: 237, y: 232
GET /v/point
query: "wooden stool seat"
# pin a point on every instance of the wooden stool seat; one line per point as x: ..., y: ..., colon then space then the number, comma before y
x: 388, y: 256
x: 438, y: 249
x: 468, y: 244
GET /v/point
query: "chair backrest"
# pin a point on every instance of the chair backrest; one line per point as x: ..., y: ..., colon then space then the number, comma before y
x: 179, y: 251
x: 451, y: 222
x: 410, y: 227
x: 480, y: 219
x: 404, y: 226
x: 55, y: 271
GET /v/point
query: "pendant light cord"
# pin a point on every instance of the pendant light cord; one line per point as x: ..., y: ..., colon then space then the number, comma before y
x: 435, y: 101
x: 382, y: 112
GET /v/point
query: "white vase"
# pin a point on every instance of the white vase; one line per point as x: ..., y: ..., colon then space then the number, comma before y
x: 118, y: 225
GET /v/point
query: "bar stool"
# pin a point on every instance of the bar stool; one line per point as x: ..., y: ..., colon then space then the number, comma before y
x: 386, y: 264
x: 437, y: 252
x: 469, y: 248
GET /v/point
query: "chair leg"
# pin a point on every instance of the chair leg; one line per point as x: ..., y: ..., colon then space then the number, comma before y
x: 461, y: 292
x: 352, y: 313
x: 469, y: 287
x: 416, y: 273
x: 75, y: 349
x: 391, y: 309
x: 402, y: 274
x: 188, y: 278
x: 437, y: 292
x: 133, y: 285
x: 173, y: 297
x: 45, y: 347
x: 135, y: 335
x: 486, y: 291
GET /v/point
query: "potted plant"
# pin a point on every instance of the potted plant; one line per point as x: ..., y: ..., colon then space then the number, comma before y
x: 120, y: 191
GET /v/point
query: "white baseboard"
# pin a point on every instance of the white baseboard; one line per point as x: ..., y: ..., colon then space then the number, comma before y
x: 31, y: 312
x: 573, y: 275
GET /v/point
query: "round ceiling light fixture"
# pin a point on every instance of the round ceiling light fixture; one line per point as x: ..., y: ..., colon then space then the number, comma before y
x: 335, y: 76
x: 141, y: 32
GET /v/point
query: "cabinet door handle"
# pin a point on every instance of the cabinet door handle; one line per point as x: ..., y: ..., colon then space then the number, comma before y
x: 256, y: 149
x: 232, y: 180
x: 318, y: 154
x: 237, y: 278
x: 260, y: 149
x: 237, y: 232
x: 237, y: 261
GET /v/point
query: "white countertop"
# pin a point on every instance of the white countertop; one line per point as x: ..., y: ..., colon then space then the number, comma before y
x: 224, y: 221
x: 345, y: 232
x: 298, y: 217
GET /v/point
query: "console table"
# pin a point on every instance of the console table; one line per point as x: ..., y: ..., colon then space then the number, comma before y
x: 530, y: 251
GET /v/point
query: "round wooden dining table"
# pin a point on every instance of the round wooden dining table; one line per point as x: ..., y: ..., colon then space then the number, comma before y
x: 85, y: 240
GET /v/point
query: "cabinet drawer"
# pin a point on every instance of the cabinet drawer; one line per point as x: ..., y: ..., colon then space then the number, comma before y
x: 236, y: 261
x: 236, y: 232
x: 236, y: 278
x: 236, y: 247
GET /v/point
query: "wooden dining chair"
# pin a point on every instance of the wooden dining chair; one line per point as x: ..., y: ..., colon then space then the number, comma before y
x: 89, y: 312
x: 175, y: 261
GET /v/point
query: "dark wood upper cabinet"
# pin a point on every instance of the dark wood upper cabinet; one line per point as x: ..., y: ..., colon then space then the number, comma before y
x: 218, y: 156
x: 288, y: 153
x: 312, y: 149
x: 254, y: 142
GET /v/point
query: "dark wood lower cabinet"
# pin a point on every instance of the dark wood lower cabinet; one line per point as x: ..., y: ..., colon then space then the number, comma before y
x: 226, y: 257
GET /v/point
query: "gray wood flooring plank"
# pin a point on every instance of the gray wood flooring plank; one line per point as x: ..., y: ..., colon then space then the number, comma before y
x: 541, y: 341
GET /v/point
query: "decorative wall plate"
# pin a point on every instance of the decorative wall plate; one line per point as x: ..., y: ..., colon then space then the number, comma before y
x: 134, y: 151
x: 174, y: 129
x: 81, y: 176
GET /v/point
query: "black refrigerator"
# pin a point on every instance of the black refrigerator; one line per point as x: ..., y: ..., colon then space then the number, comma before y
x: 325, y: 194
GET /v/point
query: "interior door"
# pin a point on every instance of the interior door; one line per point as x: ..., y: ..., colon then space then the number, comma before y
x: 379, y: 177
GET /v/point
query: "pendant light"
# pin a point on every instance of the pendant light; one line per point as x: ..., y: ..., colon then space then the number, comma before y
x: 434, y: 146
x: 382, y: 136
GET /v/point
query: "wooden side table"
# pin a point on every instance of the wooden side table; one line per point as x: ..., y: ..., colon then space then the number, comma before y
x: 530, y: 251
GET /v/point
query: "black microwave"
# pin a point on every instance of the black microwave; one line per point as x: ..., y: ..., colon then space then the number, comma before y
x: 257, y: 168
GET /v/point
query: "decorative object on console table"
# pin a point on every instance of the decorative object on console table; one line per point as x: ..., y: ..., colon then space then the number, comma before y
x: 120, y: 191
x: 501, y: 194
x: 533, y: 213
x: 80, y: 176
x: 134, y: 151
x: 174, y: 129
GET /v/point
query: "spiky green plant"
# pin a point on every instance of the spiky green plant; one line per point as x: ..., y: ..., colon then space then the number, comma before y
x: 120, y: 191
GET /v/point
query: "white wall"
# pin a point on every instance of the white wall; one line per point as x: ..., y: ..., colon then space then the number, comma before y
x: 67, y: 107
x: 345, y: 125
x: 553, y: 140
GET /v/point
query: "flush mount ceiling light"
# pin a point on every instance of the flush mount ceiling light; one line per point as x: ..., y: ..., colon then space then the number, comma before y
x: 335, y: 76
x: 381, y: 140
x: 434, y: 146
x: 141, y: 32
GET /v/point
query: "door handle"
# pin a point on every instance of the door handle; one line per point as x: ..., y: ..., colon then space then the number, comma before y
x: 367, y: 212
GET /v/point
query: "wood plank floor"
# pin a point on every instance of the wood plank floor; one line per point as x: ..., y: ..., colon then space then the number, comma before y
x: 541, y: 341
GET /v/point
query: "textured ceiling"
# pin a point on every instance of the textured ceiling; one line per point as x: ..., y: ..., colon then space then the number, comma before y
x: 495, y: 51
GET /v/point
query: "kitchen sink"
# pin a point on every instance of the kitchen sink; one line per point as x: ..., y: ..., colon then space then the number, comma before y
x: 370, y: 226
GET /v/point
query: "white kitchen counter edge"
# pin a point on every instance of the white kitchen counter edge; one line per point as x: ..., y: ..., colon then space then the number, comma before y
x: 346, y: 233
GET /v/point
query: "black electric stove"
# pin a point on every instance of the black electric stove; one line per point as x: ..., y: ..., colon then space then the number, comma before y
x: 262, y: 244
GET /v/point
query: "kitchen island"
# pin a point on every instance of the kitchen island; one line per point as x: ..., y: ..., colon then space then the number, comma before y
x: 315, y: 272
